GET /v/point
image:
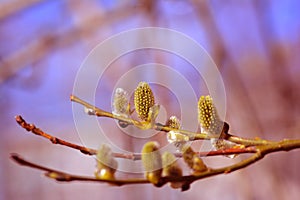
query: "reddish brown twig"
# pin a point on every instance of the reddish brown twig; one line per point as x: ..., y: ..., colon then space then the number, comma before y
x: 261, y: 151
x: 133, y: 156
x: 66, y: 177
x: 259, y: 148
x: 54, y: 140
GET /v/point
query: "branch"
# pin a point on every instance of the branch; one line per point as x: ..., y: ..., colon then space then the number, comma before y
x: 193, y: 136
x: 54, y: 140
x: 66, y: 177
x: 258, y: 147
x: 133, y: 156
x: 260, y: 152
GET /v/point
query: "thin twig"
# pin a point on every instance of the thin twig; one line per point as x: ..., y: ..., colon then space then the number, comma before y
x: 193, y: 136
x: 101, y: 113
x: 54, y: 140
x: 261, y: 151
x: 132, y: 156
x: 247, y: 141
x: 66, y: 177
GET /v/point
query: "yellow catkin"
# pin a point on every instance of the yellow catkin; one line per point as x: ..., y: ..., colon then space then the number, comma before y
x: 193, y: 160
x: 171, y: 168
x: 106, y: 163
x: 208, y: 116
x: 143, y: 100
x: 170, y: 165
x: 152, y: 162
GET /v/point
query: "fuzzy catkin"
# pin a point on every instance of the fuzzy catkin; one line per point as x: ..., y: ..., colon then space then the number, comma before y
x: 208, y: 117
x: 143, y: 100
x: 152, y: 162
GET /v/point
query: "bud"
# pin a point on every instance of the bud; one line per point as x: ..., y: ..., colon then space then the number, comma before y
x: 193, y: 160
x: 171, y: 168
x: 89, y: 111
x: 212, y: 125
x: 208, y: 116
x: 153, y: 113
x: 143, y: 100
x: 222, y: 144
x: 173, y: 122
x: 152, y: 162
x: 106, y: 163
x: 188, y: 155
x: 121, y: 103
x: 198, y: 165
x: 176, y: 138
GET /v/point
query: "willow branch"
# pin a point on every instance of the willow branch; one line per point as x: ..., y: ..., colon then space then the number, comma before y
x: 32, y: 128
x: 66, y: 177
x: 213, y: 172
x: 132, y: 156
x: 193, y: 136
x: 258, y: 147
x: 260, y: 152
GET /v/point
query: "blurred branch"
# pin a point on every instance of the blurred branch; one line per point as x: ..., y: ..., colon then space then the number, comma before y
x: 278, y: 60
x: 221, y: 55
x: 44, y: 45
x: 31, y: 53
x: 11, y: 7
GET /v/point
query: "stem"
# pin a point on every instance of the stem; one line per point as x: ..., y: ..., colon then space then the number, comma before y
x: 284, y: 145
x: 193, y: 136
x: 248, y: 142
x: 66, y: 177
x: 99, y: 112
x: 54, y: 140
x: 260, y: 152
x: 133, y: 156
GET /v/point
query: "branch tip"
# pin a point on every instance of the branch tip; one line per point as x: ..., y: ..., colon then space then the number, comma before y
x: 15, y: 157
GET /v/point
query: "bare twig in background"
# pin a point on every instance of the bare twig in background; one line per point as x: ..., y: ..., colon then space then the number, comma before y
x: 278, y: 61
x: 11, y: 7
x: 36, y: 50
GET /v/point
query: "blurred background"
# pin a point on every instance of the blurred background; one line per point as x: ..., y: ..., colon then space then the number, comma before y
x: 255, y: 44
